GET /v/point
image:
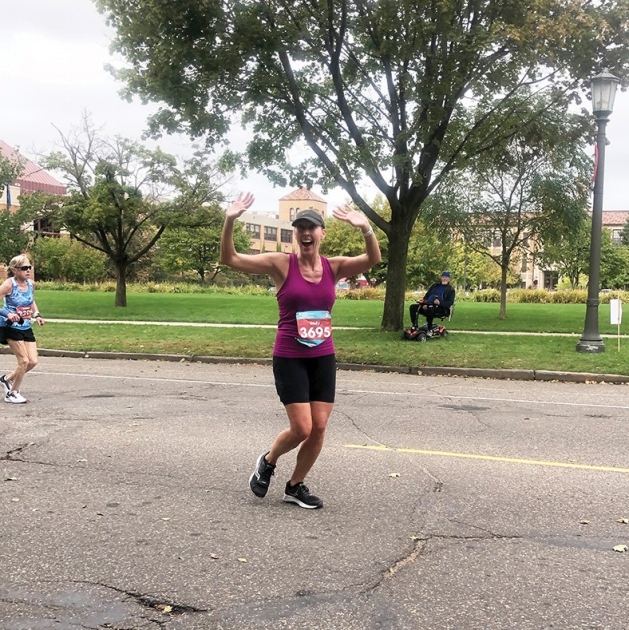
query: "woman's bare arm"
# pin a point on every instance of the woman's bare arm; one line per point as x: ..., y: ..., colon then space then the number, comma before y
x: 348, y: 266
x: 273, y: 264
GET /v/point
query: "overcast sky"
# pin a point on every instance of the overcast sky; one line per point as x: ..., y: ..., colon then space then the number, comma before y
x: 52, y: 57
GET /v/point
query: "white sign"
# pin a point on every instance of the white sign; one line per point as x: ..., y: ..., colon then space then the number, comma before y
x: 615, y: 312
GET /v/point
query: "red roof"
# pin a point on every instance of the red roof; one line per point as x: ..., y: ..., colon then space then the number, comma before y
x: 33, y: 178
x: 302, y: 194
x: 615, y: 217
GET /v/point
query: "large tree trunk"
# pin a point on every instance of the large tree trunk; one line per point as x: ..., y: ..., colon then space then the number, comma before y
x: 121, y: 284
x: 503, y: 289
x: 393, y: 315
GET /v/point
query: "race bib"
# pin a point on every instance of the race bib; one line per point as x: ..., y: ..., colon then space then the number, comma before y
x: 24, y: 312
x: 313, y: 327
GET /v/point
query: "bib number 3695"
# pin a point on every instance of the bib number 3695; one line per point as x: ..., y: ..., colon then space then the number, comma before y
x: 313, y: 327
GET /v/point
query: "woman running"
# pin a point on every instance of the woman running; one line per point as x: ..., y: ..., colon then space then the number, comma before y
x: 304, y: 363
x: 16, y: 319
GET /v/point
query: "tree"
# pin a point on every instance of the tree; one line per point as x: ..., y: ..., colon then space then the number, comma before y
x: 193, y: 243
x: 123, y: 195
x: 568, y: 251
x: 398, y: 91
x: 341, y: 239
x: 12, y: 218
x: 68, y: 260
x: 536, y: 184
x: 614, y: 263
x: 428, y: 255
x: 13, y: 239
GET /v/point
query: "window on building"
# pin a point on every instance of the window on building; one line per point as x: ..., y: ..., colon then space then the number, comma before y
x: 293, y: 213
x: 253, y: 230
x: 617, y: 237
x: 44, y: 227
x: 525, y: 263
x: 551, y: 278
x: 491, y: 238
x: 286, y: 236
x: 270, y: 233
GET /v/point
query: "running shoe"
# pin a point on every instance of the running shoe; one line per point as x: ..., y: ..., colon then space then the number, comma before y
x: 5, y: 384
x: 261, y: 478
x: 15, y: 397
x: 300, y: 495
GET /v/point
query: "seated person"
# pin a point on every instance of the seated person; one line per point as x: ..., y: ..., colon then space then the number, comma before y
x: 436, y: 303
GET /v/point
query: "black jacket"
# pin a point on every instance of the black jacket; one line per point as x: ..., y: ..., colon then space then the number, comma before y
x: 448, y: 294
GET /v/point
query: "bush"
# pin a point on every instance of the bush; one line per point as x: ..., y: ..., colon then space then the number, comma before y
x: 67, y: 259
x: 486, y: 295
x: 529, y: 296
x: 569, y: 296
x: 361, y: 294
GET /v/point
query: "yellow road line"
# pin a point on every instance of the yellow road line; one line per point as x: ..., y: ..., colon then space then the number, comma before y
x: 491, y: 458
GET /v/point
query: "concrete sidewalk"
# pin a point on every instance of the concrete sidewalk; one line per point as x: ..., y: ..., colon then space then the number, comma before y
x: 273, y: 326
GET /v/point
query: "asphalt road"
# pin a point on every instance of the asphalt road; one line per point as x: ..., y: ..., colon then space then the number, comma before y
x: 449, y: 503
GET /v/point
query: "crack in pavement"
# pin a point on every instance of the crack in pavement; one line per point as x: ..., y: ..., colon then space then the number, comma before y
x: 358, y: 428
x: 487, y: 531
x: 476, y: 417
x: 438, y: 483
x: 418, y: 547
x: 8, y: 456
x: 153, y: 603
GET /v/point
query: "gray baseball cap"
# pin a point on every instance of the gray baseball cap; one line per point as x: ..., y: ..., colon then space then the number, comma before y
x: 311, y: 215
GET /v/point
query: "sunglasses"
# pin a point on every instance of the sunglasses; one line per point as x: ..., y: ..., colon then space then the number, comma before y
x: 25, y: 268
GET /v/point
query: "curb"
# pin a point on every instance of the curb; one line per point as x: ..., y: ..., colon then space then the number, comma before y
x: 498, y: 374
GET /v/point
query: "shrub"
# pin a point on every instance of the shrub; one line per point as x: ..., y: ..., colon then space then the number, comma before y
x: 485, y: 295
x: 569, y: 296
x: 361, y: 294
x: 67, y: 259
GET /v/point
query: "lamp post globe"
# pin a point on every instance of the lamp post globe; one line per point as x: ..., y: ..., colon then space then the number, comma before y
x: 603, y: 94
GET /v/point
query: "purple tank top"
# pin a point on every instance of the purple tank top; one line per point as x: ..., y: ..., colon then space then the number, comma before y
x: 299, y: 295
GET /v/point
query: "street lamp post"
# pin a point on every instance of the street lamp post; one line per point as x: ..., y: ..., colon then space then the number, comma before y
x: 603, y: 93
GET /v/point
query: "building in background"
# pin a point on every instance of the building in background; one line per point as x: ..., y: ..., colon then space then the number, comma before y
x: 614, y: 221
x: 33, y: 179
x: 274, y: 233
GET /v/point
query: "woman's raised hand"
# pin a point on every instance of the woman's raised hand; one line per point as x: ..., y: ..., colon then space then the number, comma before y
x: 349, y: 215
x: 242, y: 203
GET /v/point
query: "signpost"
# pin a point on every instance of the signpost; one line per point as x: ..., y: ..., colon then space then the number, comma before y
x: 615, y: 313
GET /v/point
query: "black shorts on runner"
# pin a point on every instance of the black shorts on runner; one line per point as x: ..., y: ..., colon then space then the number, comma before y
x: 305, y: 380
x: 8, y: 332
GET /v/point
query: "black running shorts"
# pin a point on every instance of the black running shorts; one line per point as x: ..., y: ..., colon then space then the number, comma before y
x: 305, y: 380
x: 8, y: 332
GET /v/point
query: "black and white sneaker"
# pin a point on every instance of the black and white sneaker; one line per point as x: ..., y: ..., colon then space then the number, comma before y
x: 5, y: 384
x: 261, y: 478
x: 300, y: 495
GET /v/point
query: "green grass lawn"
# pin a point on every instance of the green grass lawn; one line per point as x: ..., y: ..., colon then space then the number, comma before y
x: 236, y: 309
x: 366, y: 347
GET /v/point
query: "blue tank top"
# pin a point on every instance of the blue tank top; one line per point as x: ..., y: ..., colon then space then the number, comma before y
x: 305, y: 313
x: 20, y: 302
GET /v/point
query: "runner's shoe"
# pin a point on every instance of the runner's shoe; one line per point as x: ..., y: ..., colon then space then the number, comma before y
x: 261, y: 478
x: 15, y: 397
x: 5, y: 384
x: 300, y: 495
